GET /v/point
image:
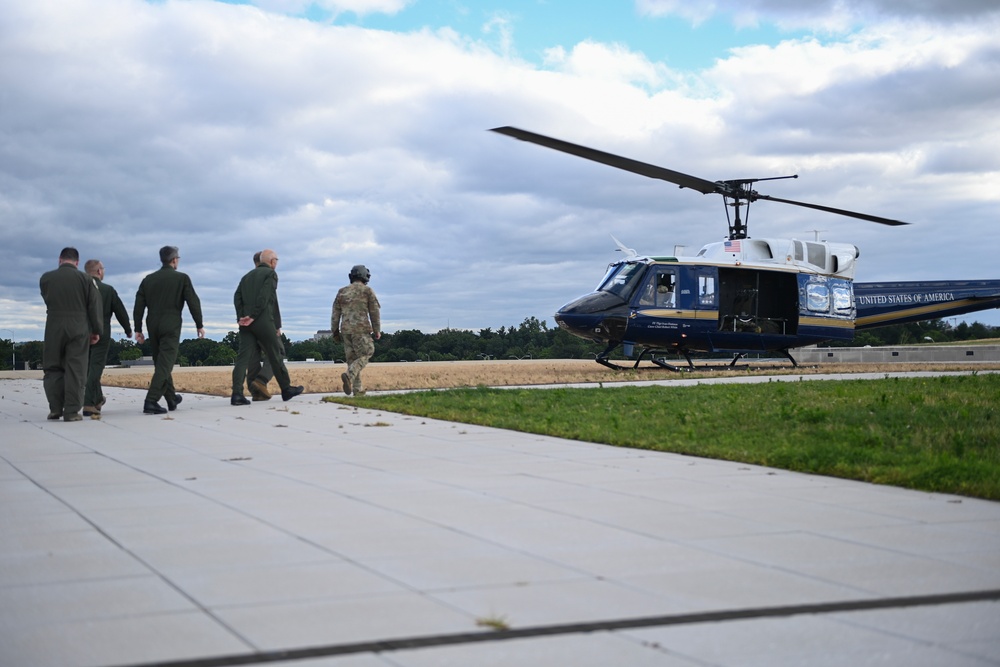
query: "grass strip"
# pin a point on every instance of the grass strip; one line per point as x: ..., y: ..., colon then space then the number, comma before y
x: 939, y: 434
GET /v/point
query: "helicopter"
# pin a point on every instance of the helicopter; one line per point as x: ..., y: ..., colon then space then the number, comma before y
x: 743, y: 295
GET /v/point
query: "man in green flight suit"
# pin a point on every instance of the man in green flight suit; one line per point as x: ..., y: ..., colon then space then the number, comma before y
x: 164, y: 294
x: 259, y: 371
x: 72, y: 325
x: 93, y: 399
x: 255, y: 300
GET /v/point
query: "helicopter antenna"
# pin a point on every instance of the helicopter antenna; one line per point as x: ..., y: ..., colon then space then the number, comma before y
x: 736, y: 193
x: 629, y: 252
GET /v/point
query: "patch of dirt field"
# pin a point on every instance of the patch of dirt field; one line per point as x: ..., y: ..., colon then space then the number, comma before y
x: 324, y: 377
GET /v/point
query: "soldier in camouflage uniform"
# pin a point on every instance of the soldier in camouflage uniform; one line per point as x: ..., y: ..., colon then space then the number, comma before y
x: 355, y: 319
x: 72, y: 325
x: 93, y: 399
x: 164, y: 294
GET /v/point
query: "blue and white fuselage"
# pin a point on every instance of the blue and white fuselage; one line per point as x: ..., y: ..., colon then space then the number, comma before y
x: 752, y: 295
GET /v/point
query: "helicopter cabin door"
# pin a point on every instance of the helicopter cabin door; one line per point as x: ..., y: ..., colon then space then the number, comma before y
x: 753, y: 301
x: 654, y: 307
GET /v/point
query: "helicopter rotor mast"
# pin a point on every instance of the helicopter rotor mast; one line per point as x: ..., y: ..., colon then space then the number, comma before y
x: 739, y: 191
x: 736, y: 190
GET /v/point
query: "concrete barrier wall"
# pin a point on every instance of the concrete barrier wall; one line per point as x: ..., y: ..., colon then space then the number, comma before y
x: 143, y: 361
x: 900, y: 353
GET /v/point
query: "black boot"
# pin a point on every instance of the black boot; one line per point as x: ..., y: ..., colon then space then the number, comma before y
x: 288, y: 393
x: 152, y: 408
x: 172, y: 404
x: 239, y: 399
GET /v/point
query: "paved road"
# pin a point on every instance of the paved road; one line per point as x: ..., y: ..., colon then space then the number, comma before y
x: 310, y: 534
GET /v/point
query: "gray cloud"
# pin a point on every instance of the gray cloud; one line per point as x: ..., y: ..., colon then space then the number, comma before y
x: 223, y: 129
x: 794, y: 13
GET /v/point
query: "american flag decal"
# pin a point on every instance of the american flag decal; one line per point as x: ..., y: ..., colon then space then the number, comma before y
x: 733, y: 246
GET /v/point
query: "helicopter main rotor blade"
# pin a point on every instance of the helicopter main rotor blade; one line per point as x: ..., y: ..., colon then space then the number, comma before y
x: 731, y: 189
x: 641, y: 168
x: 838, y: 211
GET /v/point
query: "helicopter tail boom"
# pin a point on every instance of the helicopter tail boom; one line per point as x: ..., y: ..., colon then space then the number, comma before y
x: 884, y: 304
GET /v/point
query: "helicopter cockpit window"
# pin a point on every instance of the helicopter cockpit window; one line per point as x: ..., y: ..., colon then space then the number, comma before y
x: 622, y: 281
x: 660, y: 289
x: 612, y: 269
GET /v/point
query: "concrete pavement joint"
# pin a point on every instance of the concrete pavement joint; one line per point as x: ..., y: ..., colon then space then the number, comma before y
x: 611, y: 625
x: 132, y: 554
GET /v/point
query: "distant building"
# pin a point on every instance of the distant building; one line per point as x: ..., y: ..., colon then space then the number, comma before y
x: 321, y: 334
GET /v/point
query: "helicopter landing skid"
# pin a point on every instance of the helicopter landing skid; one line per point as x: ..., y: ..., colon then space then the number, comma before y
x: 788, y: 354
x: 661, y: 362
x: 734, y: 365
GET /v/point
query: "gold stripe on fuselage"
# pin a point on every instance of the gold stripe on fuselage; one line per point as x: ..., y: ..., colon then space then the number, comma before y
x: 909, y: 312
x: 679, y: 314
x: 826, y: 322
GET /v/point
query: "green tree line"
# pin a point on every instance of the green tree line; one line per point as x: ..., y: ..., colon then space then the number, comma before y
x: 532, y: 339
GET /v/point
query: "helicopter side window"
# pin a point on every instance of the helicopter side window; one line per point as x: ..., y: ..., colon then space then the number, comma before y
x: 842, y: 301
x: 706, y: 290
x: 666, y: 289
x: 818, y: 297
x: 817, y: 254
x: 659, y: 290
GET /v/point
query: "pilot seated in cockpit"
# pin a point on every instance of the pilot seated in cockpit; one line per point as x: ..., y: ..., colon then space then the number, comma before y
x: 665, y: 293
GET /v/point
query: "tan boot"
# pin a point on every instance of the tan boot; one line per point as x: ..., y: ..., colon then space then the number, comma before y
x: 259, y: 392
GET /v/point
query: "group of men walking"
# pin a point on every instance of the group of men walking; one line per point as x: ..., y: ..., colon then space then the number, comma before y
x: 78, y: 324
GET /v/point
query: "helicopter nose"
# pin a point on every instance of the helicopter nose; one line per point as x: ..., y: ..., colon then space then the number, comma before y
x: 599, y: 317
x: 583, y: 325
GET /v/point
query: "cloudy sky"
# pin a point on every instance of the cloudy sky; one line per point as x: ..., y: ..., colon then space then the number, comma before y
x: 341, y: 132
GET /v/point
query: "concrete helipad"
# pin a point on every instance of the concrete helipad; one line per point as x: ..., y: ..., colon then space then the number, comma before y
x: 310, y: 534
